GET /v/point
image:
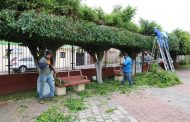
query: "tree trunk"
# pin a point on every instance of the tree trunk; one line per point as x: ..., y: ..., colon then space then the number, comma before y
x: 37, y: 67
x: 98, y: 65
x: 98, y: 57
x: 34, y: 52
x: 38, y: 52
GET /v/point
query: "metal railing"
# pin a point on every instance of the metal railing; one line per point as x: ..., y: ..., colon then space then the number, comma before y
x: 15, y: 58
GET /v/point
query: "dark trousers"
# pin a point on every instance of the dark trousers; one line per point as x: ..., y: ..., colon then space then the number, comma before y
x: 127, y: 76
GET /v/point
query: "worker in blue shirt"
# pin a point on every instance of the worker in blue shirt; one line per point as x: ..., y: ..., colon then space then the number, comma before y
x: 127, y: 70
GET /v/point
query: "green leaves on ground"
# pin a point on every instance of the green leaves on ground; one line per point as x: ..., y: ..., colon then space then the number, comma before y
x: 54, y: 115
x: 75, y: 104
x: 111, y: 110
x: 105, y: 88
x: 157, y: 77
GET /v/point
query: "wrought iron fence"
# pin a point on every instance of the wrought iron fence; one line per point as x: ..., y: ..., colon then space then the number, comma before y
x: 67, y: 58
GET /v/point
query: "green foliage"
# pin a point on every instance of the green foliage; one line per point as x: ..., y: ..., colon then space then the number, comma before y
x: 173, y: 45
x: 49, y: 30
x: 173, y: 42
x: 184, y: 42
x: 157, y: 77
x: 58, y: 7
x: 105, y: 88
x: 67, y: 7
x: 101, y: 16
x: 120, y: 17
x: 87, y: 13
x: 41, y: 31
x: 85, y: 93
x: 73, y: 8
x: 128, y: 13
x: 75, y: 104
x: 147, y: 27
x: 102, y: 89
x: 109, y: 20
x: 53, y: 114
x: 131, y: 27
x: 111, y: 110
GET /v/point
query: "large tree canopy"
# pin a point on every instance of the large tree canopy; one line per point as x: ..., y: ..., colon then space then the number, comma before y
x: 39, y: 31
x: 64, y: 30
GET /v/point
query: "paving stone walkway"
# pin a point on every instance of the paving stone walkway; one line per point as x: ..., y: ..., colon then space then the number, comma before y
x: 160, y: 105
x: 147, y: 105
x: 104, y: 109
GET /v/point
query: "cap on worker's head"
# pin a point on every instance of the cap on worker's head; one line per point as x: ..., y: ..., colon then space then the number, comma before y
x: 47, y: 52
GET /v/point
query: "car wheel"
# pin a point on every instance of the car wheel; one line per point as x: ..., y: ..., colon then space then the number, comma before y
x: 22, y: 69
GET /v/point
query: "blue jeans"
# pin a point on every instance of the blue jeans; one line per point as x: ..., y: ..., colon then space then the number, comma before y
x: 50, y: 80
x: 127, y: 76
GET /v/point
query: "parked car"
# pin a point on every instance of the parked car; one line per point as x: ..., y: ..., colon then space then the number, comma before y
x: 22, y: 64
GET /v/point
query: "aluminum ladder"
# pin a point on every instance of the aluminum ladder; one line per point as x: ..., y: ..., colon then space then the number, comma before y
x: 164, y: 53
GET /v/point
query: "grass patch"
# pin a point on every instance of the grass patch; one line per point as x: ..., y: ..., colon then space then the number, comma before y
x: 54, y: 115
x: 157, y: 77
x: 85, y: 93
x: 111, y: 110
x: 18, y: 96
x: 75, y: 104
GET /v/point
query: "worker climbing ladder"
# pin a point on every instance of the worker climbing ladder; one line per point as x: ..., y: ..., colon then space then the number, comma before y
x: 161, y: 45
